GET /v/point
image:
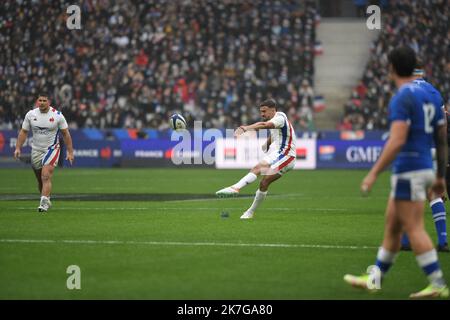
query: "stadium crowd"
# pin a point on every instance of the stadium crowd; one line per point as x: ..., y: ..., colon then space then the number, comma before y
x: 133, y: 63
x: 423, y: 25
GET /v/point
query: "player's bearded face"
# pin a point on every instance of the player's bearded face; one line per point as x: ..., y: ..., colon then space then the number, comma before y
x: 266, y: 113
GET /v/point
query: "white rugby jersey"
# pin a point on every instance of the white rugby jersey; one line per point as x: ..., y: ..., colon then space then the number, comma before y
x: 283, y: 136
x: 45, y: 127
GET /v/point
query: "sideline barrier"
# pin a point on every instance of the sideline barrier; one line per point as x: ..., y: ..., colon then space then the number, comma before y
x: 149, y: 148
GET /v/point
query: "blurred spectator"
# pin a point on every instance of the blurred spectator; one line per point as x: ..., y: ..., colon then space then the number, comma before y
x: 306, y: 119
x: 423, y: 25
x: 134, y: 63
x: 306, y: 95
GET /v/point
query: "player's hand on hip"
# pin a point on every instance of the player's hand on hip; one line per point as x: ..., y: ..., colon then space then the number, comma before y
x: 17, y: 154
x: 438, y: 187
x: 70, y: 157
x: 367, y: 183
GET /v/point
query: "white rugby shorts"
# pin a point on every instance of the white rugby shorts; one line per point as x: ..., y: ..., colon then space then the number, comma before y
x: 412, y: 185
x: 42, y: 158
x: 279, y: 163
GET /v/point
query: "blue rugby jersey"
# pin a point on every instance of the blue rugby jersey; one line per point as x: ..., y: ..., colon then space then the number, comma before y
x: 420, y: 105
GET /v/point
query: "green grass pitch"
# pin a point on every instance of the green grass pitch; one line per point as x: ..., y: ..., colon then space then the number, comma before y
x: 160, y: 234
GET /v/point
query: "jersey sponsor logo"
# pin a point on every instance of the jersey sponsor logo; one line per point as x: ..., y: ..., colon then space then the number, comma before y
x: 42, y: 130
x: 51, y: 119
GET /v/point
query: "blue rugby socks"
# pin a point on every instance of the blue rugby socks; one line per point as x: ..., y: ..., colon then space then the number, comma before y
x: 428, y: 261
x: 440, y: 220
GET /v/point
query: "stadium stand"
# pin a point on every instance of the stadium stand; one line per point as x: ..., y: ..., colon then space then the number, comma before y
x: 423, y: 25
x: 134, y: 63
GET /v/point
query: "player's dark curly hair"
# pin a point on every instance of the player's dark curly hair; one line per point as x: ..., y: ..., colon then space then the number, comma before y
x: 403, y: 60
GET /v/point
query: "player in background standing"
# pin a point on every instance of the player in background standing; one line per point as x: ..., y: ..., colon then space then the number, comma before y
x: 447, y: 177
x: 280, y: 158
x: 45, y: 122
x: 416, y: 119
x: 435, y: 200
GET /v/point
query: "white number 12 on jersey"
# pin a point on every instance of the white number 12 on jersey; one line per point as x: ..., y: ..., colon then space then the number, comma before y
x: 428, y: 112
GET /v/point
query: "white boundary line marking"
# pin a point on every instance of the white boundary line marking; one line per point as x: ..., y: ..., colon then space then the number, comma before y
x: 288, y: 196
x: 193, y: 244
x: 242, y: 197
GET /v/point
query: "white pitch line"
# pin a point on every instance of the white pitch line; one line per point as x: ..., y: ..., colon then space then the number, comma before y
x: 246, y: 196
x: 210, y: 199
x: 81, y: 209
x: 193, y: 244
x: 181, y: 209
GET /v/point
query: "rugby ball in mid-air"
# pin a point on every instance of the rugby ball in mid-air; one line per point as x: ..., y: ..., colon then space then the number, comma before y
x: 177, y: 122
